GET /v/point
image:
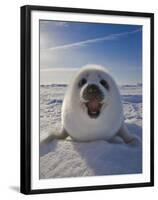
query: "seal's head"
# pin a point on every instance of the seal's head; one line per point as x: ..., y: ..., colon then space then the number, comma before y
x: 94, y: 91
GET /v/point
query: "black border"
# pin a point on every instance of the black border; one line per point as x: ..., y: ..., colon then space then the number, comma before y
x: 25, y: 145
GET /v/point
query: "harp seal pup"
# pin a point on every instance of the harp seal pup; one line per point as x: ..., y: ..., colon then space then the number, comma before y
x: 92, y: 108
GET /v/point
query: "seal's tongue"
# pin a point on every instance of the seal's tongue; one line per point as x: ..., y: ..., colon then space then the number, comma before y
x: 93, y: 105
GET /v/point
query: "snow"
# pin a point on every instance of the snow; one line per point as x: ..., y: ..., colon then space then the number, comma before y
x: 67, y: 158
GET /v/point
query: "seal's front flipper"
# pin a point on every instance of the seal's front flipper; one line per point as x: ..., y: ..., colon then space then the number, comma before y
x: 127, y: 137
x: 55, y: 135
x: 115, y: 140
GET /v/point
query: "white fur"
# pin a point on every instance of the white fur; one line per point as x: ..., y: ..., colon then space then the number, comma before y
x: 75, y: 119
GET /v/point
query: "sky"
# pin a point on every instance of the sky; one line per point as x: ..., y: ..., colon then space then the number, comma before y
x: 67, y: 46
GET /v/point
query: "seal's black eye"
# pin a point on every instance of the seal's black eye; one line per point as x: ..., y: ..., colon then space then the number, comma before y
x: 82, y: 82
x: 104, y: 83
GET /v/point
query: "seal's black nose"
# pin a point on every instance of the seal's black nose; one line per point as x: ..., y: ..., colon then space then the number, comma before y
x: 92, y: 91
x: 92, y: 88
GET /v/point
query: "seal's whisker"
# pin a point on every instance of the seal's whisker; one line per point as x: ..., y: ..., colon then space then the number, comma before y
x: 83, y: 100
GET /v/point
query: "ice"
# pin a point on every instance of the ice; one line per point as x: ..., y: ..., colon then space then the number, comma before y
x: 67, y: 158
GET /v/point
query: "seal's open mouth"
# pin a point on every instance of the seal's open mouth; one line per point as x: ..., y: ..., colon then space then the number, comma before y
x: 93, y: 108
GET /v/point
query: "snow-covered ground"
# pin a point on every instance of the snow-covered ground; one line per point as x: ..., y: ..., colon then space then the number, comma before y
x: 66, y: 158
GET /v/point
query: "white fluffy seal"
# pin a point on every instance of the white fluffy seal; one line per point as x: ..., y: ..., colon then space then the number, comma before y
x: 92, y: 108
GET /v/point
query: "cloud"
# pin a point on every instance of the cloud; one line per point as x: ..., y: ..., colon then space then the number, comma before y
x: 94, y: 40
